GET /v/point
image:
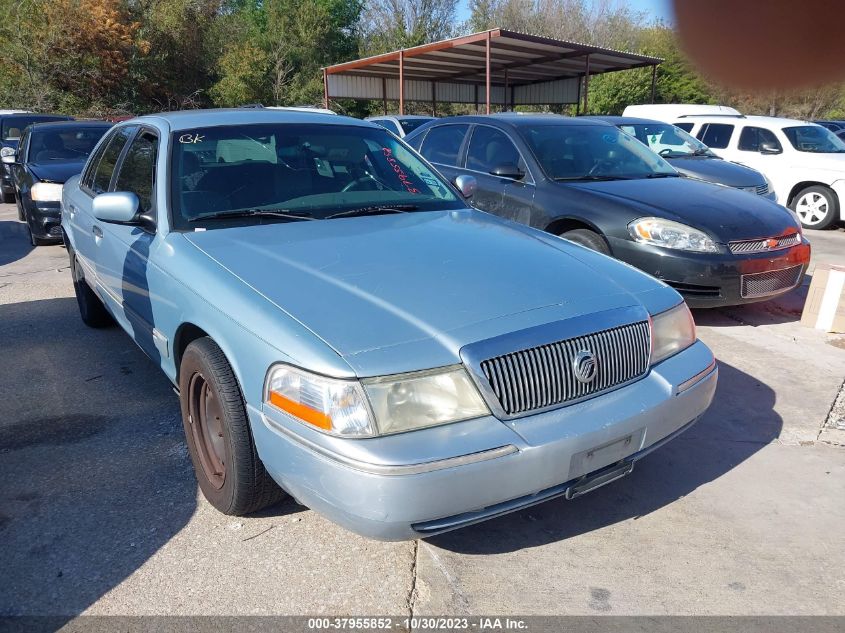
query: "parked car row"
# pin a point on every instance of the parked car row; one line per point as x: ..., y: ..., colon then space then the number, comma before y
x: 804, y: 161
x: 342, y: 326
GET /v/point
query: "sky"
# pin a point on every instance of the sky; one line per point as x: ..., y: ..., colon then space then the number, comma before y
x: 661, y: 9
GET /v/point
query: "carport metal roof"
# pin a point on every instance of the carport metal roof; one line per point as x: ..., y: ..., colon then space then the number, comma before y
x: 492, y: 67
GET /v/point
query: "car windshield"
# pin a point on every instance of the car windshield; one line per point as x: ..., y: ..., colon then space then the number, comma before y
x: 814, y: 139
x: 409, y: 125
x: 592, y: 152
x: 667, y: 140
x: 63, y: 143
x: 298, y: 171
x: 11, y: 127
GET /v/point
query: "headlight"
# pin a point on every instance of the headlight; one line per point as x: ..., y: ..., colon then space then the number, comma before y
x: 46, y: 192
x: 375, y: 406
x: 415, y: 401
x: 336, y: 406
x: 671, y: 332
x: 669, y: 234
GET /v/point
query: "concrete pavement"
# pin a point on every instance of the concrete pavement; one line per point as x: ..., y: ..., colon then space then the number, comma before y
x: 100, y: 513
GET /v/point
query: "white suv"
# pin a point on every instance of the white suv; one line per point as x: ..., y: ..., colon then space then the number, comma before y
x: 805, y: 162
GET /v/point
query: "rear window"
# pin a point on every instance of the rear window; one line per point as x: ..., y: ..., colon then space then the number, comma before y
x: 11, y: 127
x: 716, y: 135
x: 409, y: 125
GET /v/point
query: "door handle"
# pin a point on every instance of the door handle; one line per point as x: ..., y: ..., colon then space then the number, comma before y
x: 98, y: 232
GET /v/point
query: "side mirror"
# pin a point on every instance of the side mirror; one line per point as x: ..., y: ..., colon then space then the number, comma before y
x: 8, y: 155
x: 508, y: 170
x: 770, y: 148
x: 118, y: 207
x: 467, y: 185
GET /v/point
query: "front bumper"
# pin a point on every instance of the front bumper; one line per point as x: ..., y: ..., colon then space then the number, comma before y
x: 430, y: 481
x: 44, y: 218
x: 708, y: 280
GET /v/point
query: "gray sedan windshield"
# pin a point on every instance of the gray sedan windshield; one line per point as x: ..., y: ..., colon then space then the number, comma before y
x: 667, y: 140
x: 287, y: 171
x: 592, y: 152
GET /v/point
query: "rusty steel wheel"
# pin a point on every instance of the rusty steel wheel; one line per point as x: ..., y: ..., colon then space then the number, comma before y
x: 229, y: 471
x: 205, y: 418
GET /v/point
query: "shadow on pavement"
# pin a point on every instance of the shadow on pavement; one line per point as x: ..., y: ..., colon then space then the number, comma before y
x: 740, y: 422
x: 96, y: 477
x: 784, y: 309
x: 14, y: 241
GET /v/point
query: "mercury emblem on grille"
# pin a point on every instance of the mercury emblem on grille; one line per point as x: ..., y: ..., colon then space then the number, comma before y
x: 584, y: 365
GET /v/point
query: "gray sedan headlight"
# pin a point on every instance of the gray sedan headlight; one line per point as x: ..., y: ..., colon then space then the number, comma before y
x: 671, y: 332
x: 670, y: 234
x: 374, y: 406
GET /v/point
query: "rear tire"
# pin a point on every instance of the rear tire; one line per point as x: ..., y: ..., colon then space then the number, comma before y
x: 226, y: 463
x: 91, y: 309
x: 817, y: 207
x: 588, y: 238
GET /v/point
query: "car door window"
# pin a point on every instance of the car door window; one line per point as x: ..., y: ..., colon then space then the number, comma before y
x: 686, y: 127
x: 137, y: 171
x: 490, y: 148
x: 105, y: 167
x: 443, y: 143
x: 752, y: 137
x: 716, y: 135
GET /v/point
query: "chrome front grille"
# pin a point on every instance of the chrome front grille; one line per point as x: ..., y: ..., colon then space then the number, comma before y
x: 764, y: 244
x: 545, y: 376
x: 770, y: 282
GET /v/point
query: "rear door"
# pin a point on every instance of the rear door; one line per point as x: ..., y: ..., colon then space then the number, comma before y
x: 125, y: 249
x: 78, y: 216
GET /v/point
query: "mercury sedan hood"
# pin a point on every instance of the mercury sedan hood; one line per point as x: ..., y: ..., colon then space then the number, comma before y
x: 723, y: 212
x: 369, y: 284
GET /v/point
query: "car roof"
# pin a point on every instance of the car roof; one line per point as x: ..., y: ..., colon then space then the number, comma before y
x: 514, y: 119
x: 772, y: 121
x: 72, y: 123
x: 39, y: 115
x: 188, y: 119
x: 629, y: 120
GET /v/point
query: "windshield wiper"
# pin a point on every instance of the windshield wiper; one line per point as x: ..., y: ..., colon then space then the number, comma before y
x: 704, y: 152
x: 376, y: 209
x: 661, y: 175
x: 590, y: 177
x: 254, y: 213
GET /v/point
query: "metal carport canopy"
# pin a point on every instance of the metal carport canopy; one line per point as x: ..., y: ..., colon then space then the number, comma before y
x: 498, y: 67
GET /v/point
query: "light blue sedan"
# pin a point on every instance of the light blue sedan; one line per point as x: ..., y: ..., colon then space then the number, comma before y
x: 343, y: 328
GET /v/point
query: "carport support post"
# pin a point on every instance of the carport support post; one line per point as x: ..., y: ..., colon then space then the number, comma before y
x: 434, y: 98
x: 653, y: 81
x: 487, y: 74
x: 325, y: 89
x: 586, y: 83
x: 507, y: 92
x: 384, y: 94
x: 402, y: 82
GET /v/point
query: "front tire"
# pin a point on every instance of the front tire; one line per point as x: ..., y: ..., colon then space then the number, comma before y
x: 817, y: 207
x: 91, y: 309
x: 588, y: 238
x: 228, y: 469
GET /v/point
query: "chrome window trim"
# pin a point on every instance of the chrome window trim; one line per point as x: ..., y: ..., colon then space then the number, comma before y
x: 474, y: 354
